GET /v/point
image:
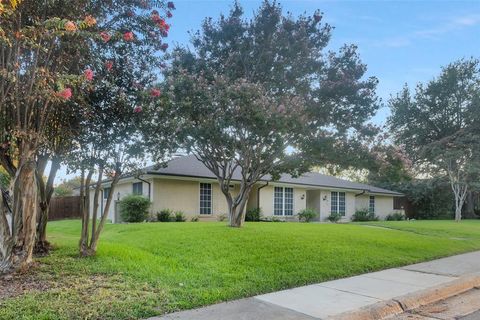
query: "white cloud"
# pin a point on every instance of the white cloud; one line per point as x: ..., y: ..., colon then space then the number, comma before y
x: 453, y: 24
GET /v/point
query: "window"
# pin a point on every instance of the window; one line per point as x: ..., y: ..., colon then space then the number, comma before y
x: 283, y: 201
x: 137, y: 188
x: 106, y: 193
x: 338, y: 203
x: 205, y: 198
x: 371, y: 204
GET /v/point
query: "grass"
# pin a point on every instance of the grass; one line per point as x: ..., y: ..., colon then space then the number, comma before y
x: 148, y: 269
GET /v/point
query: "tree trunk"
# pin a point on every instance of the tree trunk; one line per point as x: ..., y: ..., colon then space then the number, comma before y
x: 6, y: 241
x: 85, y: 208
x: 96, y: 234
x: 42, y: 246
x: 25, y: 205
x: 236, y: 207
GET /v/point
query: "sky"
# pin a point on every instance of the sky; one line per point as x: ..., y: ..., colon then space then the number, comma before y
x: 400, y: 41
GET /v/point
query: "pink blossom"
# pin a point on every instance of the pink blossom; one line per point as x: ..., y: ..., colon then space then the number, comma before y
x: 108, y: 65
x: 70, y: 26
x: 155, y: 92
x: 65, y: 93
x: 137, y: 109
x: 317, y: 17
x: 164, y: 47
x: 128, y: 36
x: 171, y: 5
x: 105, y: 36
x: 88, y: 74
x: 169, y: 14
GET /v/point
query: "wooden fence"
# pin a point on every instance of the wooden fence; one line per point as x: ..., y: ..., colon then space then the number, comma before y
x: 64, y: 208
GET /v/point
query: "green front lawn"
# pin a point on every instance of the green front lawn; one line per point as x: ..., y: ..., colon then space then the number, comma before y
x: 148, y: 269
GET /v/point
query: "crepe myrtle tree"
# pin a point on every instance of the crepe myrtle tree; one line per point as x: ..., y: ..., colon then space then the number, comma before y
x: 438, y: 125
x: 251, y: 95
x: 36, y: 41
x: 121, y: 75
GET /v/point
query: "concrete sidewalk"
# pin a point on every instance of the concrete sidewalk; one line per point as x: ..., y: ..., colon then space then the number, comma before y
x: 333, y: 298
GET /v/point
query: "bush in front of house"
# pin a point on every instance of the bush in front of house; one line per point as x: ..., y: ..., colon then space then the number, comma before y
x: 222, y: 217
x: 364, y: 215
x: 334, y: 217
x: 396, y: 216
x: 195, y: 219
x: 165, y: 215
x: 307, y: 215
x: 134, y: 208
x: 180, y: 216
x: 254, y: 214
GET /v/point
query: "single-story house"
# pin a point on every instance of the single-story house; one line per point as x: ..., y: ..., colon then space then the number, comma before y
x: 186, y: 185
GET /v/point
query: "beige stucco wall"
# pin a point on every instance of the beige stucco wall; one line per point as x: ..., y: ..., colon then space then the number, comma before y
x: 266, y: 200
x: 121, y: 190
x: 184, y: 195
x: 383, y: 205
x: 320, y: 200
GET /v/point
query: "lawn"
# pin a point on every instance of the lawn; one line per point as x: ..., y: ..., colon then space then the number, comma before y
x: 148, y: 269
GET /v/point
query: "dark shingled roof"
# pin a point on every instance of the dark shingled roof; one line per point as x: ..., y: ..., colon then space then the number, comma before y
x: 189, y: 166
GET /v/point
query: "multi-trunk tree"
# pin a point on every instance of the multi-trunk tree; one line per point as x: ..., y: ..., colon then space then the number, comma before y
x: 121, y: 70
x: 438, y: 126
x: 259, y: 97
x: 37, y: 41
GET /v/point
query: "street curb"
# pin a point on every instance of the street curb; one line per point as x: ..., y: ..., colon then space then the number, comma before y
x: 384, y: 309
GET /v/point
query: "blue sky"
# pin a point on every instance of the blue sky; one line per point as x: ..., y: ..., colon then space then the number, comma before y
x: 400, y: 41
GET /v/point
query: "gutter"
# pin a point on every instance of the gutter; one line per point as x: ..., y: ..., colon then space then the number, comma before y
x: 258, y: 194
x: 361, y: 193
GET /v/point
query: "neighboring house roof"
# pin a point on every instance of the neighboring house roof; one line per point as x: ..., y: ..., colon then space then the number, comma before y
x: 189, y: 166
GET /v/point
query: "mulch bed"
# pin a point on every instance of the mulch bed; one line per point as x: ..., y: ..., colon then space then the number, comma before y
x: 18, y: 283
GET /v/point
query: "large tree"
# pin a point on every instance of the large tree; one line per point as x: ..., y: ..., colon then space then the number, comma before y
x: 36, y: 42
x: 122, y: 69
x: 255, y: 96
x: 438, y: 126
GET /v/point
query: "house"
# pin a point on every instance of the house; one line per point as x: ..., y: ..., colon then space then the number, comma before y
x: 185, y: 184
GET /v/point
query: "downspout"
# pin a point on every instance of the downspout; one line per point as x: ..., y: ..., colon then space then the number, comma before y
x: 258, y: 194
x: 149, y: 187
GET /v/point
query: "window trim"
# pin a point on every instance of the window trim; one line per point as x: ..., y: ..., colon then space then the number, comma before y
x: 283, y: 202
x: 200, y: 199
x: 344, y: 213
x: 133, y: 188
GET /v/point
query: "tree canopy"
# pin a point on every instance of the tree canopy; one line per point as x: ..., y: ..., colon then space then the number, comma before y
x: 255, y: 97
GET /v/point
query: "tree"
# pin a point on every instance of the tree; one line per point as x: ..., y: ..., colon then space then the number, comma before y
x: 121, y: 70
x: 253, y: 94
x: 66, y: 187
x: 35, y: 79
x: 438, y: 126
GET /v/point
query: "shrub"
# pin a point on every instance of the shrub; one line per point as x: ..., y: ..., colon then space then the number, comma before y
x: 165, y: 215
x: 396, y: 216
x: 307, y: 215
x: 253, y: 214
x: 364, y: 215
x: 134, y: 208
x: 334, y: 217
x: 180, y: 216
x: 194, y: 219
x: 222, y: 217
